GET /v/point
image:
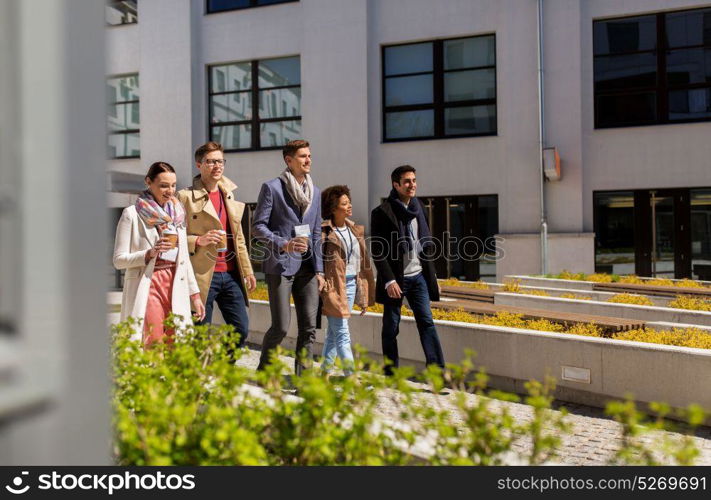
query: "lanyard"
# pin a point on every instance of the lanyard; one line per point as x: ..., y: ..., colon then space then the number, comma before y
x: 349, y: 247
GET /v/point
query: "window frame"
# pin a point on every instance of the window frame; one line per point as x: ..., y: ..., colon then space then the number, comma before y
x: 255, y: 120
x: 252, y: 5
x: 111, y: 104
x: 438, y: 104
x: 662, y: 88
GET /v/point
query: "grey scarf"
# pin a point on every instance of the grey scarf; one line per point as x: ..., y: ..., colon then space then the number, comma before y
x: 302, y: 197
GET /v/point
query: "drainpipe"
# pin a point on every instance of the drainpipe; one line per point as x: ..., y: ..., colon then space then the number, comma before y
x: 541, y: 142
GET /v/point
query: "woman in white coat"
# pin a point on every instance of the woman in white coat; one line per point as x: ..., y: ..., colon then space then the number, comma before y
x: 159, y: 277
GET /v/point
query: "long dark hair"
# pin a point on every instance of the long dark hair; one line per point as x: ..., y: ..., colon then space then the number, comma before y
x: 158, y: 168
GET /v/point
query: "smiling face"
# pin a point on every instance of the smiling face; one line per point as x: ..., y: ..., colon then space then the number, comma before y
x: 407, y: 187
x: 162, y: 187
x: 300, y: 163
x: 212, y: 166
x: 343, y: 208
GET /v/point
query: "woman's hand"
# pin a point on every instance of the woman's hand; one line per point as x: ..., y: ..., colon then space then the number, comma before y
x: 363, y: 310
x: 199, y: 309
x: 162, y: 245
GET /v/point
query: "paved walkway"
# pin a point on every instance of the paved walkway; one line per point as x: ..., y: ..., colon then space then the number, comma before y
x: 593, y: 440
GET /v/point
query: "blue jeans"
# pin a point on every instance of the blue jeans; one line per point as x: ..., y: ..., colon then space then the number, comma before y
x: 225, y: 289
x: 338, y: 337
x: 415, y: 289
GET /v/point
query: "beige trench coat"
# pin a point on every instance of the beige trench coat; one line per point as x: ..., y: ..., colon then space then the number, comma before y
x: 201, y: 217
x: 335, y: 301
x: 133, y: 239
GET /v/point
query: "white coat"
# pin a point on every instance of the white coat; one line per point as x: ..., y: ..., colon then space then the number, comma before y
x: 133, y: 238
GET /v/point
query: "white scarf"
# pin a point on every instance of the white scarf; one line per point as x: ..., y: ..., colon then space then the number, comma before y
x: 302, y: 197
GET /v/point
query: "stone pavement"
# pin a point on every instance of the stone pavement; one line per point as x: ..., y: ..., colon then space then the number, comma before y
x: 593, y: 439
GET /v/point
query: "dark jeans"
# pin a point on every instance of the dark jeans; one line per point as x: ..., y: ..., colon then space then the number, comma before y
x: 415, y: 289
x: 303, y: 286
x: 225, y: 289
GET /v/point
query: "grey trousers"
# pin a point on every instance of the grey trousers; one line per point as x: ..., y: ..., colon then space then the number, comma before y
x: 304, y: 288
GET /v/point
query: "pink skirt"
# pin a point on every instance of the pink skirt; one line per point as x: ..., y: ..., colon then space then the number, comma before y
x: 160, y: 303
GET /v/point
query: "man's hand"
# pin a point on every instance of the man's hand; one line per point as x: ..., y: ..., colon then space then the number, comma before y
x: 321, y: 282
x: 295, y: 245
x: 394, y: 291
x: 251, y: 282
x: 211, y: 237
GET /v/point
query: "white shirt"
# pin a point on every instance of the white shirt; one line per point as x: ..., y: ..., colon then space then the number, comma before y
x: 350, y: 248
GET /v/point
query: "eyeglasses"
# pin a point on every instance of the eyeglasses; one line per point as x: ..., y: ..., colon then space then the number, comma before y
x: 212, y: 163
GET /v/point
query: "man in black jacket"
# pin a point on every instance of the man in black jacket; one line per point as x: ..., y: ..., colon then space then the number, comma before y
x: 401, y: 241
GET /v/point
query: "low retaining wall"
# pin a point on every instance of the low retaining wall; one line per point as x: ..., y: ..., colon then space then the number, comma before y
x: 588, y: 370
x: 627, y: 311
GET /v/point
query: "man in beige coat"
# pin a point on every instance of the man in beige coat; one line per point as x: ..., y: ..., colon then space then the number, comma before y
x: 213, y: 215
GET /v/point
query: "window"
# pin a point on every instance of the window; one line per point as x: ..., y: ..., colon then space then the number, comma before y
x: 124, y: 117
x: 223, y: 5
x: 443, y: 88
x: 256, y: 104
x: 121, y: 12
x: 653, y: 69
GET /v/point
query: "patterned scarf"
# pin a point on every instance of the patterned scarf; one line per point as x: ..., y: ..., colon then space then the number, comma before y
x: 159, y: 217
x: 302, y: 197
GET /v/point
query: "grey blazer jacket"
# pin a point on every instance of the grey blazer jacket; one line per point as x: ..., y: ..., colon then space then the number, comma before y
x: 273, y: 224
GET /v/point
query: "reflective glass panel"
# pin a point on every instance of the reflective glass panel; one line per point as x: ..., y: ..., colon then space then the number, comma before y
x: 470, y: 120
x: 124, y: 145
x: 233, y: 136
x: 637, y: 108
x: 701, y: 233
x: 276, y: 134
x: 124, y: 116
x: 403, y: 124
x: 469, y: 52
x: 630, y: 34
x: 280, y: 103
x: 231, y: 77
x: 625, y: 72
x: 689, y: 104
x: 470, y: 85
x: 408, y: 90
x: 614, y: 232
x: 279, y: 72
x: 689, y: 66
x: 231, y: 107
x: 689, y: 28
x: 123, y: 88
x: 403, y: 59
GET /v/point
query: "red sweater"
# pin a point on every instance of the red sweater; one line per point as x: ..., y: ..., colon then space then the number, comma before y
x: 225, y: 260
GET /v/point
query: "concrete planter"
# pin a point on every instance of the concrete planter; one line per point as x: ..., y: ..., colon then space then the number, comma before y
x: 588, y: 370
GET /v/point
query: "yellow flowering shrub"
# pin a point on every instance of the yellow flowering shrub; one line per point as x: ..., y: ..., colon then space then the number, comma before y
x: 631, y: 279
x: 575, y: 296
x: 658, y: 282
x: 629, y: 298
x: 687, y: 283
x: 512, y: 286
x: 480, y: 285
x: 586, y: 329
x: 692, y: 303
x: 567, y: 275
x: 684, y: 337
x: 599, y: 278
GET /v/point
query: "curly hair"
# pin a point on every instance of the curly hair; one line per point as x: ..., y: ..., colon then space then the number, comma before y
x: 330, y: 197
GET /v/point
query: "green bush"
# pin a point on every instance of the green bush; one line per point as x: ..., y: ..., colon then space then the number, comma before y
x: 187, y: 404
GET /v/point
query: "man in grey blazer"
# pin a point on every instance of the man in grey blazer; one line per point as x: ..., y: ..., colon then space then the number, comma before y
x: 287, y: 221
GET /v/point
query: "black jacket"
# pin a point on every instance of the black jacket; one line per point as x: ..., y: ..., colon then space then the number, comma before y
x: 387, y: 254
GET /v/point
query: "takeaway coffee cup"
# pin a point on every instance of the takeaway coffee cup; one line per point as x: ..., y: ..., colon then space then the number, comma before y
x: 302, y: 233
x: 171, y: 235
x: 222, y: 245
